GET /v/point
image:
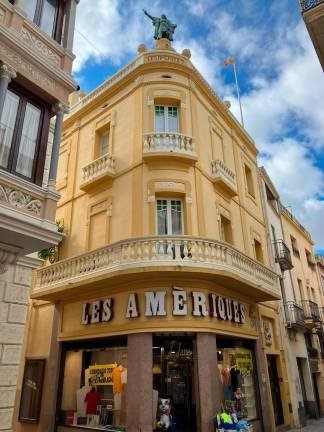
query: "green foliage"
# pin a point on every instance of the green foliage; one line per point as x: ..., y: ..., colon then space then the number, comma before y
x: 49, y: 253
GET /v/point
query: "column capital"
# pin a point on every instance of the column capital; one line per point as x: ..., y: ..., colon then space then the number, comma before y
x: 60, y: 108
x: 7, y: 71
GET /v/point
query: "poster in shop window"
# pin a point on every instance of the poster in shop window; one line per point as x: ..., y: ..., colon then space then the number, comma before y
x: 243, y: 360
x: 101, y: 374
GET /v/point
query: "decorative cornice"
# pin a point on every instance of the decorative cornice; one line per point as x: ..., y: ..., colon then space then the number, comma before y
x: 7, y: 72
x: 41, y: 47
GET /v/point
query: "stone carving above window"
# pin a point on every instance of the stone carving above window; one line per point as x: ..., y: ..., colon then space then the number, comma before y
x: 40, y: 46
x: 20, y: 200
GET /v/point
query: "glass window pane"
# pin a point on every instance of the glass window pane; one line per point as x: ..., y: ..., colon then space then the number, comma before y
x: 28, y: 141
x: 104, y: 142
x: 159, y: 119
x: 176, y: 217
x: 31, y: 391
x: 7, y: 124
x: 29, y: 6
x: 173, y: 119
x: 162, y: 217
x: 48, y: 16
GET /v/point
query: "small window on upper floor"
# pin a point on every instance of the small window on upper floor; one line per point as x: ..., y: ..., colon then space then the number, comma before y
x: 169, y: 215
x: 226, y: 230
x: 310, y: 260
x: 258, y: 251
x: 294, y: 247
x: 46, y: 14
x: 166, y: 118
x: 249, y: 180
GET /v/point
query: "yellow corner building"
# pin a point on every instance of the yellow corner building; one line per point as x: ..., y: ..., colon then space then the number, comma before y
x: 156, y: 289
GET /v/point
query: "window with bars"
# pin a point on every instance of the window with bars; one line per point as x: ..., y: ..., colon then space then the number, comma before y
x: 23, y: 135
x: 169, y: 217
x: 166, y: 118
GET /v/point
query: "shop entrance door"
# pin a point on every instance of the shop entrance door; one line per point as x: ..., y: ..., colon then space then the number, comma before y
x: 173, y: 378
x: 275, y: 390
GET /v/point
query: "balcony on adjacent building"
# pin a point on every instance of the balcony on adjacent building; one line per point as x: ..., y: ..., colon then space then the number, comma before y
x: 282, y: 255
x: 97, y: 172
x: 313, y: 14
x: 223, y: 177
x: 169, y: 146
x: 312, y: 312
x: 311, y: 262
x: 146, y: 257
x: 294, y: 315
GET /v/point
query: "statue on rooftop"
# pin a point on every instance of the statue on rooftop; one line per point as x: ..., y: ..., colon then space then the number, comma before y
x: 164, y: 28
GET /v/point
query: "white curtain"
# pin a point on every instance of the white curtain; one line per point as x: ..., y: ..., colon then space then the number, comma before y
x: 104, y: 143
x: 28, y: 141
x: 173, y: 119
x: 162, y: 217
x: 176, y: 217
x: 29, y: 6
x: 7, y: 124
x: 159, y: 119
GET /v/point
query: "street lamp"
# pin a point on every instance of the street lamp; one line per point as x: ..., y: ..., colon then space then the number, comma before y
x: 231, y: 61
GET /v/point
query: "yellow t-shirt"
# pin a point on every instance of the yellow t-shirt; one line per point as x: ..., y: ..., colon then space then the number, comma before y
x: 117, y: 384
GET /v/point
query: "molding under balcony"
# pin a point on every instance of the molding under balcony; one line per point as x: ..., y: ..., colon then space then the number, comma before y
x: 171, y: 146
x: 27, y: 214
x: 223, y: 177
x: 97, y: 172
x: 149, y: 257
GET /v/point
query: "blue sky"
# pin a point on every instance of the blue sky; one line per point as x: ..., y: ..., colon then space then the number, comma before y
x: 281, y: 81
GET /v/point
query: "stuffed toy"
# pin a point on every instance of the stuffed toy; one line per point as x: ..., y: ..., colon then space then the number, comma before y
x: 165, y: 410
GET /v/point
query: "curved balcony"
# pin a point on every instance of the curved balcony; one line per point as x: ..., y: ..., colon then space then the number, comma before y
x: 169, y: 145
x: 173, y: 255
x: 223, y: 177
x: 98, y: 171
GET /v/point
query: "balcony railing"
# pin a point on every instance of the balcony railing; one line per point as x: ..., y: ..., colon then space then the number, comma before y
x: 179, y: 252
x: 282, y: 255
x: 294, y: 315
x: 311, y: 311
x: 310, y: 4
x: 224, y: 176
x: 169, y: 143
x: 95, y: 172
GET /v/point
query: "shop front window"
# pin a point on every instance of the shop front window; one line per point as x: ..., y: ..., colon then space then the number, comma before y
x: 94, y: 385
x: 237, y: 371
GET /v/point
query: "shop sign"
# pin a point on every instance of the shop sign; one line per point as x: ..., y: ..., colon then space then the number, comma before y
x: 243, y: 360
x: 202, y: 305
x: 101, y: 374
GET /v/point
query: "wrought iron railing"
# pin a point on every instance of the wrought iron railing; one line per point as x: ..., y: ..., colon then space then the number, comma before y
x: 282, y: 255
x: 294, y: 314
x: 310, y: 4
x: 311, y: 310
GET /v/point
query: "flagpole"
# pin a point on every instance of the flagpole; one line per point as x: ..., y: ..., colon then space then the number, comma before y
x: 232, y: 62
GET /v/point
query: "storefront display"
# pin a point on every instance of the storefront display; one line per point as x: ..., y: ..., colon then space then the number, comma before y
x: 237, y: 371
x: 94, y: 387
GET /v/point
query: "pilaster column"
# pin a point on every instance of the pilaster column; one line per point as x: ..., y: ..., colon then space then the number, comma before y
x: 59, y: 109
x: 7, y: 73
x: 69, y: 26
x: 139, y: 383
x: 208, y: 381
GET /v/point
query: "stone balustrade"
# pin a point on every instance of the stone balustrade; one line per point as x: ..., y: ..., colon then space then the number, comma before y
x: 189, y: 253
x: 98, y: 170
x: 222, y: 174
x: 168, y: 142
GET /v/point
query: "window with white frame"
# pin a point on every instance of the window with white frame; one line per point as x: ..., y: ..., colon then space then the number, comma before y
x: 104, y: 143
x: 169, y: 214
x: 166, y: 118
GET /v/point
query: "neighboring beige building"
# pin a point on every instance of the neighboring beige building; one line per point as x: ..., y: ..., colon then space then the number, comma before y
x: 313, y: 14
x: 164, y: 264
x: 308, y: 295
x: 294, y: 322
x: 35, y: 81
